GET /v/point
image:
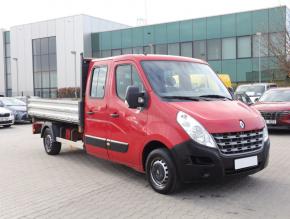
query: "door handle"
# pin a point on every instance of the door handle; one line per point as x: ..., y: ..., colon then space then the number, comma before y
x: 114, y: 115
x: 90, y: 112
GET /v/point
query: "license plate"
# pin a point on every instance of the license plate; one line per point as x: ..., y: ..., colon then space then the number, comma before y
x: 246, y: 162
x: 271, y: 122
x: 4, y: 119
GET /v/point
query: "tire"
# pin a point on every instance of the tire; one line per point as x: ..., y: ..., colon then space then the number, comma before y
x: 161, y: 171
x: 50, y: 145
x: 6, y: 126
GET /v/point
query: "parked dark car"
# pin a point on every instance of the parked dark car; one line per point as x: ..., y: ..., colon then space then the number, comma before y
x: 243, y: 98
x: 17, y: 107
x: 274, y: 106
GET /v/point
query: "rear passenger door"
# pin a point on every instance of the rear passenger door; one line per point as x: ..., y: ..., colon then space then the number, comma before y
x: 96, y: 115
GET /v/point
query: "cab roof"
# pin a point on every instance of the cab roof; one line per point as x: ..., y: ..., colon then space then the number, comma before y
x: 142, y: 57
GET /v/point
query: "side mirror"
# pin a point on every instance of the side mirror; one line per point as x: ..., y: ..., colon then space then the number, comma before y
x: 134, y: 97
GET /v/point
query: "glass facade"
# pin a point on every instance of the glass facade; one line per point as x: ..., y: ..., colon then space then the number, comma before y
x: 7, y: 60
x: 228, y: 42
x: 44, y: 67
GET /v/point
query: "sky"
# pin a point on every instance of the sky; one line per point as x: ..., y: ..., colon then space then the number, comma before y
x: 130, y: 12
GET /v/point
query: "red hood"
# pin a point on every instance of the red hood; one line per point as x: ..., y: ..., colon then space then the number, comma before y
x: 222, y: 116
x: 272, y: 106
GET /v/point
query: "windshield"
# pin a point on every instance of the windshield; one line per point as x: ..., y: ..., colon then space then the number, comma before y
x: 183, y: 79
x: 12, y: 102
x: 251, y: 90
x: 276, y: 96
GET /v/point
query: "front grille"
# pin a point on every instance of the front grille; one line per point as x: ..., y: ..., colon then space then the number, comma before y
x: 4, y: 114
x: 5, y: 122
x: 274, y: 115
x: 239, y: 142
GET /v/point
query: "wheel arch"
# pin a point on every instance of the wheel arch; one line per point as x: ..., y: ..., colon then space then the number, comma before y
x: 150, y: 146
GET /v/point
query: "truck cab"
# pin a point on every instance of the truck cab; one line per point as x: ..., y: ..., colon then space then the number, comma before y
x: 149, y: 112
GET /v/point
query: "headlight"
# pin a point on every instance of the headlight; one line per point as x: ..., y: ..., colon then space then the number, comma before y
x: 195, y: 130
x: 265, y: 133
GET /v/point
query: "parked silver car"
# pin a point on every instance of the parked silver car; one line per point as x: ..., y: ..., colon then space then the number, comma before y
x: 17, y: 107
x: 6, y: 117
x: 254, y: 91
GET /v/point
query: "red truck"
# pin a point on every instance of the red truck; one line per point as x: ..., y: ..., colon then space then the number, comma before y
x: 169, y: 117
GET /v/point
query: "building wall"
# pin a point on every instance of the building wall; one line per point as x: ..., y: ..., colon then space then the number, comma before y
x: 2, y: 66
x: 168, y: 38
x: 72, y: 36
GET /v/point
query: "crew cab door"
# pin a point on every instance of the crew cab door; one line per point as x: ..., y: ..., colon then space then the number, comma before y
x: 127, y: 126
x: 96, y: 112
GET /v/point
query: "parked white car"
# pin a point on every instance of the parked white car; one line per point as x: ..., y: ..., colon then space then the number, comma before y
x: 6, y: 117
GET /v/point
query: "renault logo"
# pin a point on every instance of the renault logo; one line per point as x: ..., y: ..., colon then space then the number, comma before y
x: 242, y: 124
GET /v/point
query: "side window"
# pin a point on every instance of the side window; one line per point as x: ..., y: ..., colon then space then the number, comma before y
x: 99, y: 82
x: 126, y: 75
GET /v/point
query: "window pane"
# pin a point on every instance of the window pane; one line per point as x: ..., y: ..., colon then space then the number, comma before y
x: 123, y: 79
x: 105, y: 53
x: 126, y: 75
x: 7, y: 36
x: 116, y: 52
x: 161, y: 49
x: 244, y: 47
x: 138, y: 50
x: 36, y: 46
x: 214, y: 49
x: 45, y: 93
x: 229, y: 48
x: 276, y: 44
x: 173, y: 49
x: 45, y: 79
x: 8, y: 65
x: 53, y: 79
x: 9, y: 83
x: 36, y: 64
x: 7, y: 50
x: 263, y: 45
x: 37, y: 80
x: 94, y: 83
x: 52, y: 62
x: 186, y: 49
x: 52, y: 44
x: 44, y: 46
x: 199, y: 49
x: 37, y: 92
x: 96, y: 54
x: 136, y: 79
x: 101, y: 82
x: 44, y: 63
x: 127, y: 51
x: 148, y: 49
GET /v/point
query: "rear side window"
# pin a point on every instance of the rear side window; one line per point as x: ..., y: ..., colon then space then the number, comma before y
x: 126, y: 75
x: 99, y: 82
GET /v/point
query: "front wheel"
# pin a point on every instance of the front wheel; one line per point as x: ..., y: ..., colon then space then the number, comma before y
x: 161, y: 172
x: 50, y: 145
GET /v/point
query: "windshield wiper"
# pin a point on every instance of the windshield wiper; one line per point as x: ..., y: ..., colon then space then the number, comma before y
x: 182, y: 98
x: 215, y: 96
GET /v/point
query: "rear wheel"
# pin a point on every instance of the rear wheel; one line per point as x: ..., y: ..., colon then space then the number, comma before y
x: 161, y: 171
x: 50, y: 145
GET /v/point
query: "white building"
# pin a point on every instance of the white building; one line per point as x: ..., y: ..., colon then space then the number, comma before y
x: 39, y: 58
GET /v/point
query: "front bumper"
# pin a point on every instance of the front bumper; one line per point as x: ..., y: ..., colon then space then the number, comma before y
x: 196, y: 162
x: 8, y: 122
